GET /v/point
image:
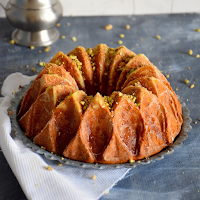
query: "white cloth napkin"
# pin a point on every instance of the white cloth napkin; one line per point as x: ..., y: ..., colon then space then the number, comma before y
x: 63, y: 182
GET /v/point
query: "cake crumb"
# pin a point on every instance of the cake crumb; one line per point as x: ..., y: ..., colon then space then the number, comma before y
x: 59, y: 164
x: 74, y: 39
x: 197, y: 30
x: 188, y: 67
x: 43, y: 147
x: 158, y: 37
x: 190, y: 52
x: 27, y: 66
x: 68, y: 24
x: 40, y: 51
x: 63, y: 37
x: 176, y: 89
x: 128, y: 27
x: 94, y: 177
x: 58, y: 24
x: 197, y: 56
x: 10, y: 112
x: 36, y: 185
x: 192, y: 86
x: 120, y: 42
x: 62, y: 158
x: 121, y: 35
x: 106, y: 192
x: 195, y: 122
x: 49, y: 168
x: 32, y: 47
x: 167, y: 76
x: 186, y: 81
x: 182, y: 172
x: 109, y: 27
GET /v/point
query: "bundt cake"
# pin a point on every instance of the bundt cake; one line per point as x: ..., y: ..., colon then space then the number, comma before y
x: 101, y: 105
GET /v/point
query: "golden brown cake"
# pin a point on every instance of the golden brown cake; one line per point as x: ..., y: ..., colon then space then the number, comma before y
x: 101, y: 105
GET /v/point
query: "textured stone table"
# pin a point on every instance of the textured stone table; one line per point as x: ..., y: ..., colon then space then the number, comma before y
x: 177, y: 176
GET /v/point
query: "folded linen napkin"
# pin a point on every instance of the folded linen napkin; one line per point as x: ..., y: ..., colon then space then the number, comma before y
x: 63, y: 182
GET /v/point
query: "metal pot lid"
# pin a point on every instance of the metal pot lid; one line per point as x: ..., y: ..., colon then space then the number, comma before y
x: 32, y: 4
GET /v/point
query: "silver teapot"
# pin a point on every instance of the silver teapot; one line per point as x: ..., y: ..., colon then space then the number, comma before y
x: 35, y: 21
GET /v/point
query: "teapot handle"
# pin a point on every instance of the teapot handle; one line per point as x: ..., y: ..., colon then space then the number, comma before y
x: 2, y: 6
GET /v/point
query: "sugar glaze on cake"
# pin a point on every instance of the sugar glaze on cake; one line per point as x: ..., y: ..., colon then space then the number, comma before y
x: 101, y: 105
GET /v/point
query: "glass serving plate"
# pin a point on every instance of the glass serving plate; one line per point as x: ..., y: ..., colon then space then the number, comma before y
x: 178, y: 142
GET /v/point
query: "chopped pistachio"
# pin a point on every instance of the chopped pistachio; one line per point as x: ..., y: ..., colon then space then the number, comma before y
x: 186, y: 81
x: 190, y: 52
x: 49, y: 168
x: 33, y: 69
x: 74, y: 39
x: 106, y: 192
x: 47, y: 49
x: 12, y: 42
x: 158, y: 37
x: 130, y: 72
x: 42, y: 63
x: 121, y: 35
x: 82, y: 102
x: 120, y: 42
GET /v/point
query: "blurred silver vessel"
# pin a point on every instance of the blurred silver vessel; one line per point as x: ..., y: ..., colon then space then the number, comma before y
x: 35, y: 21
